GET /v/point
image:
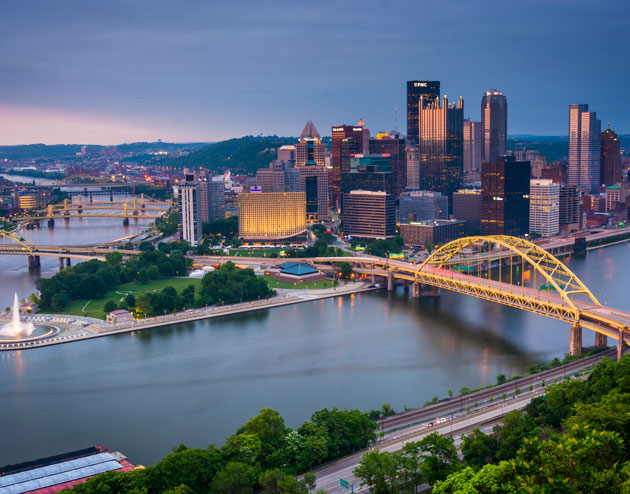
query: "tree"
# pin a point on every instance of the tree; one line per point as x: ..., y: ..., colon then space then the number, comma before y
x: 440, y: 458
x: 348, y: 430
x: 114, y: 258
x: 130, y: 300
x: 501, y: 378
x: 143, y: 305
x: 478, y: 448
x: 109, y: 306
x: 269, y: 426
x: 234, y: 478
x: 379, y: 471
x: 345, y: 268
x: 516, y: 426
x: 59, y: 300
x: 143, y: 276
x: 276, y: 482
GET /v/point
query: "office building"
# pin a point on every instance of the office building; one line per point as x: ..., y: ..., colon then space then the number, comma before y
x: 610, y: 159
x: 493, y: 125
x: 314, y: 183
x: 393, y: 144
x: 441, y: 146
x: 544, y: 207
x: 189, y: 195
x: 310, y: 147
x: 417, y: 90
x: 370, y: 172
x: 584, y: 148
x: 216, y: 200
x: 271, y: 216
x: 473, y: 143
x: 413, y: 167
x: 419, y: 205
x: 420, y: 233
x: 570, y: 209
x: 360, y: 141
x: 286, y: 153
x: 614, y: 196
x: 467, y: 207
x: 505, y: 197
x: 369, y: 214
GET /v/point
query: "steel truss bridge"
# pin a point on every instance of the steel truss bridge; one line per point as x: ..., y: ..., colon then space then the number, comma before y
x: 133, y: 208
x: 501, y: 269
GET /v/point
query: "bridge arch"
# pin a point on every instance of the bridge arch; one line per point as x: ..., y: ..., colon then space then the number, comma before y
x: 15, y: 238
x: 554, y: 271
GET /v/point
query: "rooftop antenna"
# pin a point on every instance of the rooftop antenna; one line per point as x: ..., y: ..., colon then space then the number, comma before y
x: 396, y: 118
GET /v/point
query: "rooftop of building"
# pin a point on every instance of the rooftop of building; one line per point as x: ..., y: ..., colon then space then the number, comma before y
x: 55, y: 473
x: 368, y: 192
x: 310, y: 132
x: 299, y: 270
x: 435, y: 222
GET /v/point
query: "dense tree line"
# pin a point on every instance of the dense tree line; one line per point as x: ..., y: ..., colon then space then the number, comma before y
x: 573, y: 439
x: 383, y: 247
x: 264, y: 455
x: 168, y: 225
x: 93, y: 279
x: 229, y: 285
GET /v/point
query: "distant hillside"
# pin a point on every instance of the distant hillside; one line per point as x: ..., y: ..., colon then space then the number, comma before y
x: 67, y: 151
x: 243, y: 155
x: 551, y: 147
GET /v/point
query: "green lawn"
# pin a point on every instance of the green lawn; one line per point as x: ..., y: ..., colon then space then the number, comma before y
x: 95, y: 307
x: 301, y: 286
x: 255, y: 252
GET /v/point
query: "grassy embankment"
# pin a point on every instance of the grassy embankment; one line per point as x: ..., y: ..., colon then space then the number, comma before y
x: 267, y: 253
x: 94, y: 307
x: 301, y: 286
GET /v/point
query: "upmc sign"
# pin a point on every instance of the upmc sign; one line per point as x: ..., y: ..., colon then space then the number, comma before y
x: 419, y: 84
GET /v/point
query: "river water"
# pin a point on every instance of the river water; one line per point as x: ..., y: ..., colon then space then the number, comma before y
x: 196, y: 383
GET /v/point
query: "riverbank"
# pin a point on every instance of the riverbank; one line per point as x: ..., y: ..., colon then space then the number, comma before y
x: 74, y: 328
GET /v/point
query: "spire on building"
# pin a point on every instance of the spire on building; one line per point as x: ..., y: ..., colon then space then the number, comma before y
x: 310, y: 132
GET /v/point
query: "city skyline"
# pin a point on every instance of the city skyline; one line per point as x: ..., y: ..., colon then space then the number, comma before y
x: 117, y: 73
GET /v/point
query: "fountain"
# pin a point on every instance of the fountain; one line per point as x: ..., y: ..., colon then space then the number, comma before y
x: 17, y: 328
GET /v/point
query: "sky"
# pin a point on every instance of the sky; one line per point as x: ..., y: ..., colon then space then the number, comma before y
x: 76, y: 71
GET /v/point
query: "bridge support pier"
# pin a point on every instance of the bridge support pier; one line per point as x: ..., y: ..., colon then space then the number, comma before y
x: 415, y: 290
x: 575, y: 340
x: 621, y: 344
x: 125, y: 221
x: 601, y: 340
x: 61, y: 263
x: 68, y: 263
x: 33, y: 262
x: 51, y: 223
x: 390, y: 281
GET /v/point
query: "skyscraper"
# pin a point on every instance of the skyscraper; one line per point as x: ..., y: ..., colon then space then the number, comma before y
x: 361, y: 135
x: 610, y: 159
x: 189, y: 194
x: 570, y: 204
x: 271, y: 216
x: 544, y: 207
x: 584, y: 148
x: 314, y: 183
x: 416, y: 90
x: 441, y: 131
x: 493, y: 125
x: 393, y: 144
x: 369, y: 214
x: 310, y: 147
x: 505, y: 197
x: 473, y: 144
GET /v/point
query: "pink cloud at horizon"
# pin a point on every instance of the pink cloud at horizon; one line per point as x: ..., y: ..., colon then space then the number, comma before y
x: 30, y: 125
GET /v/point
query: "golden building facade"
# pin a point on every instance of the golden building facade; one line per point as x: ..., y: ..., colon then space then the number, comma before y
x: 271, y: 216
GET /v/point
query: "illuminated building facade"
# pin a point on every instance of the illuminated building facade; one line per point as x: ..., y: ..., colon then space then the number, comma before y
x: 189, y: 194
x: 584, y: 148
x: 505, y: 197
x: 544, y: 207
x: 494, y: 125
x: 413, y: 167
x: 432, y: 231
x: 271, y: 216
x: 370, y: 172
x: 473, y: 144
x: 310, y: 147
x: 314, y: 183
x: 610, y: 159
x: 428, y: 90
x: 441, y: 146
x: 570, y: 207
x: 369, y: 214
x: 393, y: 144
x: 467, y: 207
x: 359, y: 137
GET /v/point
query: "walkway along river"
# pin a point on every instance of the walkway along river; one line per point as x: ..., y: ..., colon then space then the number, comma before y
x: 142, y: 393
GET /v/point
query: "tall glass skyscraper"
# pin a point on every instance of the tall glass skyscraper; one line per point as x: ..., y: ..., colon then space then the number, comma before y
x: 584, y: 148
x: 441, y: 146
x: 493, y: 125
x: 429, y: 90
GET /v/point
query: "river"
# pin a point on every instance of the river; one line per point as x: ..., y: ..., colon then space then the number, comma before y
x: 196, y: 383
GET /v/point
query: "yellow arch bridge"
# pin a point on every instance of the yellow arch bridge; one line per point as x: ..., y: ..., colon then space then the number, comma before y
x: 500, y: 269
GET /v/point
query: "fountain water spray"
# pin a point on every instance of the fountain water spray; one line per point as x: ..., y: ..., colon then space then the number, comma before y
x: 16, y: 327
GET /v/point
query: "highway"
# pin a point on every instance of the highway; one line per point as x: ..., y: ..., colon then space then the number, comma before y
x: 408, y: 426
